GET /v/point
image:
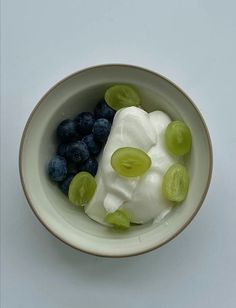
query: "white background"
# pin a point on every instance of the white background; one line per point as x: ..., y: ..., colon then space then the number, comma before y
x: 191, y: 42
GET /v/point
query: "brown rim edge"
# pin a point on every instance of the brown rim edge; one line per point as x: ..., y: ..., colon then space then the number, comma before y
x: 180, y: 229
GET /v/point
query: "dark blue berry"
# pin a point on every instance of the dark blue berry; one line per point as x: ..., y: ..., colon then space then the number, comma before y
x: 85, y: 121
x: 57, y: 168
x: 90, y: 165
x: 64, y: 186
x: 101, y: 130
x: 63, y: 149
x: 72, y: 167
x: 67, y: 131
x: 102, y: 110
x: 77, y: 152
x: 93, y: 146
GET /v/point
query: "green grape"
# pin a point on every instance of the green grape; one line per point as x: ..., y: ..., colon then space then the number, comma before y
x: 82, y: 188
x: 119, y: 220
x: 178, y: 138
x: 175, y: 183
x: 130, y: 162
x: 119, y: 96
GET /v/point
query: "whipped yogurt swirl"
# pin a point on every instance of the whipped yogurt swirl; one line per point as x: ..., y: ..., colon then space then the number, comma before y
x: 141, y: 197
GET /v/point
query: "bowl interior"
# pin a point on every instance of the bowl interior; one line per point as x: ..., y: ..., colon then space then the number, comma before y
x: 80, y: 92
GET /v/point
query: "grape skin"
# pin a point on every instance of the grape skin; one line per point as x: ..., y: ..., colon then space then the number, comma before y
x: 175, y: 183
x: 120, y: 96
x: 119, y: 220
x: 130, y: 162
x: 178, y: 138
x: 82, y: 188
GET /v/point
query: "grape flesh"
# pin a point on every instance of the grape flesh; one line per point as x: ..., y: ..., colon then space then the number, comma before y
x: 175, y: 183
x: 119, y: 220
x: 178, y: 138
x: 120, y: 96
x: 130, y: 162
x: 82, y: 188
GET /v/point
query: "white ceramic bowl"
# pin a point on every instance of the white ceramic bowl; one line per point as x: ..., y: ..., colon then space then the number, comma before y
x: 80, y: 92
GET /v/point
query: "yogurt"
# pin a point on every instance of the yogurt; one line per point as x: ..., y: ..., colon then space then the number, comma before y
x: 141, y: 197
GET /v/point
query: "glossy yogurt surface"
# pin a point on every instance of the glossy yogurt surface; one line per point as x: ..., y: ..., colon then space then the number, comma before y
x: 141, y: 197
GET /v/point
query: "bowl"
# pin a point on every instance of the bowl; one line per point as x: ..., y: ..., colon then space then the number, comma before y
x: 80, y: 92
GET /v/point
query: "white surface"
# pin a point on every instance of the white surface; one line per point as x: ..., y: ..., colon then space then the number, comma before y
x: 139, y: 197
x: 191, y: 42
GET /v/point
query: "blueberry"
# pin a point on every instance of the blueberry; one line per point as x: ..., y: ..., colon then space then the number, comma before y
x: 102, y: 110
x: 77, y: 152
x: 85, y: 121
x: 93, y: 146
x: 72, y: 167
x: 101, y: 130
x: 63, y: 149
x: 90, y: 165
x: 67, y: 131
x: 57, y: 168
x: 64, y: 186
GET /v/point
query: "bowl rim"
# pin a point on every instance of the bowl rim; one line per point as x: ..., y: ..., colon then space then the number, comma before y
x: 30, y: 203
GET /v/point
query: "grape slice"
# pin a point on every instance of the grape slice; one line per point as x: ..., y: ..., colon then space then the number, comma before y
x: 119, y: 220
x: 130, y: 162
x: 82, y: 188
x: 175, y: 183
x: 178, y: 138
x: 120, y: 96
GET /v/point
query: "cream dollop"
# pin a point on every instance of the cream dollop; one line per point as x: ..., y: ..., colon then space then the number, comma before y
x: 141, y: 197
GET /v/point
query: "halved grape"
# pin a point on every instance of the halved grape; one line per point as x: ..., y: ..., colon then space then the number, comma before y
x: 82, y: 188
x: 178, y: 138
x: 120, y: 95
x: 119, y: 220
x: 175, y: 183
x: 130, y: 162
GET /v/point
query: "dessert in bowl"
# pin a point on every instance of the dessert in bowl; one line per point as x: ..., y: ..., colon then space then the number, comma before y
x: 152, y: 219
